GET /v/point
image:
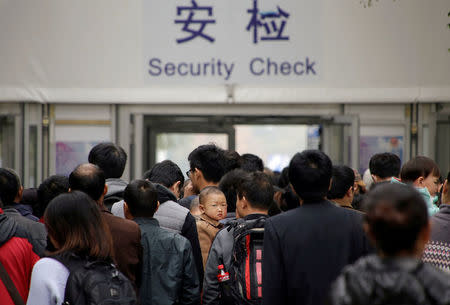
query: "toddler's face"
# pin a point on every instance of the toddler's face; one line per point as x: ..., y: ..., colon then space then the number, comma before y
x: 215, y: 206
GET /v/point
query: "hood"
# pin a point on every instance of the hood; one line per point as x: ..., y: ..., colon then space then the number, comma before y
x: 164, y: 194
x: 7, y: 228
x: 373, y: 280
x: 432, y: 208
x: 115, y: 185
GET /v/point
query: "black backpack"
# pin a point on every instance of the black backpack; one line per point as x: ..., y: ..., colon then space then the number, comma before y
x: 93, y: 282
x: 245, y: 285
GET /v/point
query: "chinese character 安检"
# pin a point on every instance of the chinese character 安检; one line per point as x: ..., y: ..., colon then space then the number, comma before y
x: 272, y: 22
x: 195, y: 26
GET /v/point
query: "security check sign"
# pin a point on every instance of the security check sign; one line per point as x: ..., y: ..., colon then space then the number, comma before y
x: 231, y: 41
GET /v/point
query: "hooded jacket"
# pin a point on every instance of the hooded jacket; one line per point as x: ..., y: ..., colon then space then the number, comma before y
x: 34, y: 231
x: 375, y: 280
x: 17, y: 256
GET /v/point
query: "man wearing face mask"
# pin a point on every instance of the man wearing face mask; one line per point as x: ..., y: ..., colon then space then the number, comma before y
x: 424, y: 174
x: 437, y: 251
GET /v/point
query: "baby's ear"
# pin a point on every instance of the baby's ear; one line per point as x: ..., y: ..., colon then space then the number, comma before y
x: 201, y: 208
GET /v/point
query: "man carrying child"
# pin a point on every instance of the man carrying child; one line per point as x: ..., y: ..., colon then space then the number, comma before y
x: 254, y: 198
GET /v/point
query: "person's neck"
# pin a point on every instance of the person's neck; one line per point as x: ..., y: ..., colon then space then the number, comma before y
x: 343, y: 202
x: 256, y: 211
x: 387, y: 179
x: 205, y: 183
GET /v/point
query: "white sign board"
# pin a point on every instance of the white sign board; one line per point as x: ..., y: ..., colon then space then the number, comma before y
x: 233, y: 41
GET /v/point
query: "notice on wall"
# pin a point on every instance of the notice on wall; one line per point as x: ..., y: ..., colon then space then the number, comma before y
x: 233, y: 41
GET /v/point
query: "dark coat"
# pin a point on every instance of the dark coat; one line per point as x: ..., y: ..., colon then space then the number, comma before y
x: 373, y: 280
x: 127, y: 244
x: 168, y: 268
x: 437, y: 251
x: 306, y: 248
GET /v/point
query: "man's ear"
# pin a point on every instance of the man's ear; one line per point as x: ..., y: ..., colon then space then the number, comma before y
x: 157, y: 207
x: 420, y: 180
x: 105, y: 190
x: 349, y: 192
x: 293, y: 190
x: 445, y: 187
x: 19, y: 194
x: 126, y: 211
x: 175, y: 188
x: 374, y: 178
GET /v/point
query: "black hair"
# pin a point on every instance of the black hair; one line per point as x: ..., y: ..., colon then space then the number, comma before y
x: 74, y: 221
x: 343, y: 178
x: 232, y: 160
x: 229, y: 185
x: 257, y: 189
x: 385, y: 165
x: 210, y: 159
x: 166, y: 173
x: 49, y: 189
x: 141, y: 198
x: 252, y: 163
x: 111, y: 158
x: 283, y: 181
x: 88, y: 178
x: 207, y: 191
x: 310, y: 174
x: 9, y: 185
x: 419, y: 166
x: 395, y: 215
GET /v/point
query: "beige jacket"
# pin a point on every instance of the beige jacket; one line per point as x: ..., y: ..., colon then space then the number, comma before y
x: 207, y: 229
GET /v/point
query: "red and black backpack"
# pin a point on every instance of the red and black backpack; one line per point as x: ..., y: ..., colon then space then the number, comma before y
x: 245, y: 285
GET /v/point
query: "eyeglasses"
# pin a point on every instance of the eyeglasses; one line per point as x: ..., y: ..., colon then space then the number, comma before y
x: 188, y: 173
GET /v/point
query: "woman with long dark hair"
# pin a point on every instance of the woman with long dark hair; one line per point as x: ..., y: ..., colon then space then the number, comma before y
x: 78, y: 232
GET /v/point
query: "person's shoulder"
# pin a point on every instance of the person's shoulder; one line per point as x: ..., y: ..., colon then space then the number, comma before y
x: 119, y: 222
x: 431, y: 274
x: 437, y: 283
x: 51, y: 265
x: 174, y: 206
x: 170, y: 240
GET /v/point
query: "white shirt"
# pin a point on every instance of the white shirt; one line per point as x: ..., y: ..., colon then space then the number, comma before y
x: 48, y: 282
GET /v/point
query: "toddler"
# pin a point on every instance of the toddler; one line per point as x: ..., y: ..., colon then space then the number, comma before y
x: 213, y: 207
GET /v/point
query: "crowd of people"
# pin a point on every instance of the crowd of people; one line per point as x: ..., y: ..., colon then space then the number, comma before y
x: 233, y: 232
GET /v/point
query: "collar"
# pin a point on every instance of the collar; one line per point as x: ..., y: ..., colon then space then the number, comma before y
x: 210, y: 221
x: 444, y: 208
x: 147, y: 220
x: 255, y: 216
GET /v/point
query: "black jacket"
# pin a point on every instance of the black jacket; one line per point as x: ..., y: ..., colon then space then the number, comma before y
x: 168, y: 269
x: 189, y: 228
x: 306, y: 248
x: 373, y: 280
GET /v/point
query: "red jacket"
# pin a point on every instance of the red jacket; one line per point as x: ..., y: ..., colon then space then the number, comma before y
x: 18, y: 258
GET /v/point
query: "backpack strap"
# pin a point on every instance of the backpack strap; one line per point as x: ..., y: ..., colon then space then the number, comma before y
x: 12, y: 289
